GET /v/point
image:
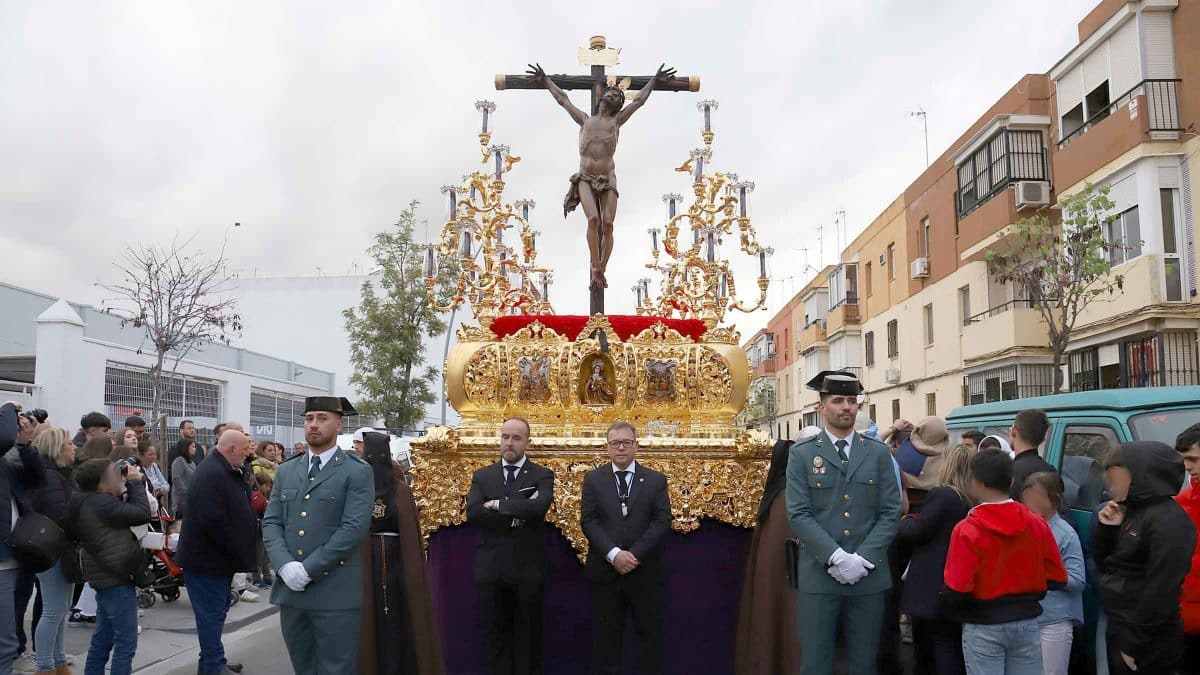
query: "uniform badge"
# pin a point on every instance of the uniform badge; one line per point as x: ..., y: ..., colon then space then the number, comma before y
x: 379, y: 510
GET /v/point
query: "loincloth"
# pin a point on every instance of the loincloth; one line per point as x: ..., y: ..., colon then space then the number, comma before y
x: 599, y: 185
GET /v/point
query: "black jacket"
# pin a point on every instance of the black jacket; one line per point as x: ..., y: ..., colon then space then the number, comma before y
x: 54, y: 497
x: 17, y: 479
x: 1025, y: 465
x: 507, y: 551
x: 929, y: 535
x: 219, y: 528
x: 641, y: 532
x: 1144, y: 560
x: 100, y: 523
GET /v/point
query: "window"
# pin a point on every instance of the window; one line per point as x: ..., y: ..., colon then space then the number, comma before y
x: 925, y: 236
x: 1084, y: 369
x: 867, y: 279
x: 843, y: 285
x: 893, y: 341
x: 1072, y: 121
x: 1010, y: 155
x: 869, y: 348
x: 964, y: 304
x: 891, y: 261
x: 1097, y: 102
x: 1172, y: 263
x: 928, y: 312
x: 128, y: 391
x: 895, y: 409
x: 1084, y: 450
x: 931, y: 404
x: 1010, y: 382
x: 1125, y: 234
x: 872, y: 413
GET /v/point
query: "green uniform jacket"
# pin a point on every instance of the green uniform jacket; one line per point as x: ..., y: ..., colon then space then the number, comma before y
x: 321, y: 524
x: 856, y: 508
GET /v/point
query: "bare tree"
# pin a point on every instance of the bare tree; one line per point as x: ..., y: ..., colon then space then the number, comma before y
x: 1064, y: 268
x: 180, y: 298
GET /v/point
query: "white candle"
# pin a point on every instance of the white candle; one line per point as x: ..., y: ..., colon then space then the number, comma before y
x: 430, y: 262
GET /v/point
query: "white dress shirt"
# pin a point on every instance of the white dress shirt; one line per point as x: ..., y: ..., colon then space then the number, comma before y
x: 519, y: 464
x: 632, y: 468
x: 323, y: 456
x: 834, y: 439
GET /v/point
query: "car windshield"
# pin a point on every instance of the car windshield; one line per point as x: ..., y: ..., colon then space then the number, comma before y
x: 1163, y: 425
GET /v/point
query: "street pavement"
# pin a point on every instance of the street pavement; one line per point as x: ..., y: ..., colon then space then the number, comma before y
x: 168, y: 641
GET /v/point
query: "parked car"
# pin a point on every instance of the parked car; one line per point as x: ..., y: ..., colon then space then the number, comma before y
x: 1084, y: 426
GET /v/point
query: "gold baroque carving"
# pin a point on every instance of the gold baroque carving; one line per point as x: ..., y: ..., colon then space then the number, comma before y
x: 725, y: 489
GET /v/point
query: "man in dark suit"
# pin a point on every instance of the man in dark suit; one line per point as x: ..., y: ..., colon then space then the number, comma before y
x: 625, y: 512
x: 508, y: 501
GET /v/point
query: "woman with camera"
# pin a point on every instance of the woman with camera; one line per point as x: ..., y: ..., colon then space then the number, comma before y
x: 100, y: 521
x: 51, y: 500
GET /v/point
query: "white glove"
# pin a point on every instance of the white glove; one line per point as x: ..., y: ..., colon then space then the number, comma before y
x: 836, y: 574
x: 294, y: 575
x: 861, y: 567
x: 845, y: 564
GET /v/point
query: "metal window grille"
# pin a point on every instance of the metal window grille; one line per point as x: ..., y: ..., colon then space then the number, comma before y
x: 128, y: 391
x: 1084, y: 367
x: 1010, y: 155
x: 869, y: 347
x: 1179, y: 359
x: 1009, y: 383
x: 277, y: 416
x: 893, y: 339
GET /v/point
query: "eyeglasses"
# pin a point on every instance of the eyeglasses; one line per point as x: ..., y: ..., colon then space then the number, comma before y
x: 622, y: 445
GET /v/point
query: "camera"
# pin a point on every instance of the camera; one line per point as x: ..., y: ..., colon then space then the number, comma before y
x: 124, y: 464
x: 36, y: 416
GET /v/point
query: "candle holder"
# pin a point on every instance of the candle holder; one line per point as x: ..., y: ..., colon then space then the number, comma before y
x: 485, y: 108
x: 494, y: 278
x: 697, y: 281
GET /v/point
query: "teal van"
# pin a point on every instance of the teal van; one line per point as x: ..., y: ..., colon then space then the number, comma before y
x: 1084, y: 426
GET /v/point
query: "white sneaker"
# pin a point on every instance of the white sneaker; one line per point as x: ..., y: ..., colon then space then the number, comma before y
x: 27, y: 663
x: 249, y: 596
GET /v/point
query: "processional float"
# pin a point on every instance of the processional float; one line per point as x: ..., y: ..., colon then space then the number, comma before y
x: 672, y: 369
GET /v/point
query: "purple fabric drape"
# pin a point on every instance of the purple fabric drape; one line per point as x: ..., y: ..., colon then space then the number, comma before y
x: 704, y: 578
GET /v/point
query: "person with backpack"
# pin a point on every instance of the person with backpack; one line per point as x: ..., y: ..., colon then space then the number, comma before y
x: 16, y: 480
x: 99, y: 520
x: 51, y: 500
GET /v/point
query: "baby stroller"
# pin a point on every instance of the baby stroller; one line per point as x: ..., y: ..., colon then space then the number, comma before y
x: 162, y: 574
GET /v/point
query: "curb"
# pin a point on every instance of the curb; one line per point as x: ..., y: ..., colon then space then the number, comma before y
x: 267, y: 610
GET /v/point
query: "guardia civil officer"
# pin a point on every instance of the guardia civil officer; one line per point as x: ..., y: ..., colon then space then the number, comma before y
x: 844, y: 505
x: 318, y: 515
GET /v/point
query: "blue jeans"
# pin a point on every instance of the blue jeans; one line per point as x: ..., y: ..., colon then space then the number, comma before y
x: 209, y: 595
x: 1003, y: 649
x: 116, y: 631
x: 56, y: 603
x: 8, y: 619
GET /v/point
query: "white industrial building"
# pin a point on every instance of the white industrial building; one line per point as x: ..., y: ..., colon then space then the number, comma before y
x: 71, y: 359
x: 302, y: 317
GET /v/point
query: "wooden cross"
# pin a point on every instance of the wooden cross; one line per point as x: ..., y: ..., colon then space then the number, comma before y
x: 598, y: 57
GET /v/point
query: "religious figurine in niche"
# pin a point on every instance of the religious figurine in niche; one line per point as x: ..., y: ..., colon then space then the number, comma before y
x: 597, y: 390
x: 660, y: 379
x: 535, y: 379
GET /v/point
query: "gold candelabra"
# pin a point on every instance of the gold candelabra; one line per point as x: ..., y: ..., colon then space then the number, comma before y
x: 697, y: 282
x: 496, y: 278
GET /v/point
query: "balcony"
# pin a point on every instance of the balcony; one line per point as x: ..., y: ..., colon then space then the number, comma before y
x: 1004, y: 330
x: 765, y: 366
x: 845, y: 314
x: 1153, y: 115
x: 811, y: 335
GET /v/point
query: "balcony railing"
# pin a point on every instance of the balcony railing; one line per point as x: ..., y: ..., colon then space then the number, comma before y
x: 1000, y: 309
x: 1162, y: 99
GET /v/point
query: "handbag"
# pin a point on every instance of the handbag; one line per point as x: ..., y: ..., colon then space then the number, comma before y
x: 37, y: 541
x: 791, y: 558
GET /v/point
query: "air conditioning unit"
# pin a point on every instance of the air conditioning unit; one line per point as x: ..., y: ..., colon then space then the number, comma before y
x: 1032, y: 193
x: 892, y: 375
x: 920, y: 268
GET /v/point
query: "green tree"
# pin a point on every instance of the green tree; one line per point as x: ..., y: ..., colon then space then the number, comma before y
x: 1062, y: 268
x: 388, y: 328
x: 762, y: 406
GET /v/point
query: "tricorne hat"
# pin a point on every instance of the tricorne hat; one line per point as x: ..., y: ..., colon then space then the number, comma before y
x: 838, y: 382
x: 333, y: 404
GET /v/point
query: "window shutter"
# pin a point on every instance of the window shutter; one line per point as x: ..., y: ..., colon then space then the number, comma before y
x: 1070, y: 90
x: 1125, y: 60
x: 1095, y: 72
x: 1160, y: 51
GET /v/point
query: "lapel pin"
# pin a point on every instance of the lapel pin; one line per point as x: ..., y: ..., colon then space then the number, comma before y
x: 641, y: 480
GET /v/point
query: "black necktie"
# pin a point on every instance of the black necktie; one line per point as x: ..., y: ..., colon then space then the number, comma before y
x: 841, y: 447
x: 623, y: 477
x: 315, y: 468
x: 509, y: 479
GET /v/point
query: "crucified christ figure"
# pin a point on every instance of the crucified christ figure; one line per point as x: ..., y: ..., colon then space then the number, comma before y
x: 595, y: 186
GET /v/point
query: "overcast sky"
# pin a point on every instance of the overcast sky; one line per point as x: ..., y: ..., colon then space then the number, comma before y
x: 314, y: 123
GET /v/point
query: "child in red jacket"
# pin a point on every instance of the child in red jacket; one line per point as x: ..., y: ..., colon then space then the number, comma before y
x: 1002, y: 560
x: 1188, y: 445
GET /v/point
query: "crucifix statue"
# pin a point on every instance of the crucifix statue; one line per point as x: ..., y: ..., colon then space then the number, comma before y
x: 594, y: 187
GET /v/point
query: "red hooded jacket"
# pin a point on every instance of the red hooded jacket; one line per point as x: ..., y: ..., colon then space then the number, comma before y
x: 1002, y: 560
x: 1189, y: 602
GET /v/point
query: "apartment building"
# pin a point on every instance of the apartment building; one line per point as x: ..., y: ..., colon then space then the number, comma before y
x: 762, y: 400
x: 912, y: 306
